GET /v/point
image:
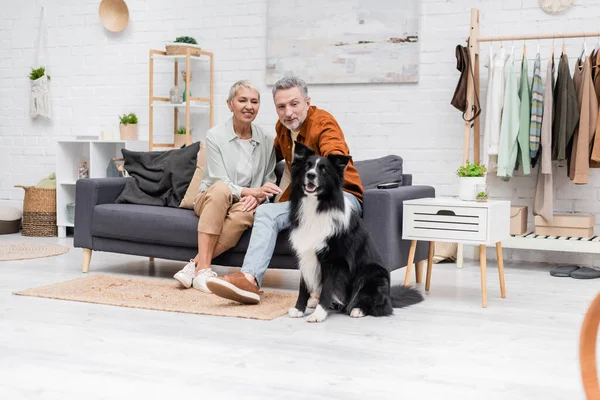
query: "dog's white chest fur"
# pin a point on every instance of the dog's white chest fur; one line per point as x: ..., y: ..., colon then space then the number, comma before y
x: 311, y: 236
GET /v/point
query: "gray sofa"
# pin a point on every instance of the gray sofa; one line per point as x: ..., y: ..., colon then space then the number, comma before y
x: 171, y: 233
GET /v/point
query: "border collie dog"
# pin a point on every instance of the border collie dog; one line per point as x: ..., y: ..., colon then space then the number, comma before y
x: 336, y: 255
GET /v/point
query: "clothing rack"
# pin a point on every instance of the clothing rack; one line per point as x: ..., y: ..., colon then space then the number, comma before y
x: 528, y: 240
x: 473, y: 86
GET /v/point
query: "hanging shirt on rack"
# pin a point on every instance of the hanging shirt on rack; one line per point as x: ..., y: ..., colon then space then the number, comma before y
x: 524, y: 120
x: 595, y: 151
x: 543, y: 202
x: 509, y: 128
x: 566, y: 111
x: 494, y: 104
x: 537, y: 110
x: 579, y: 163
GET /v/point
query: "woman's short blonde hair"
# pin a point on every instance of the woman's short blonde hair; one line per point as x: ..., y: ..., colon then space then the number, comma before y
x: 241, y: 84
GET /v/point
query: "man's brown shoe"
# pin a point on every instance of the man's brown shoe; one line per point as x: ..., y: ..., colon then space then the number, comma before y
x: 234, y: 287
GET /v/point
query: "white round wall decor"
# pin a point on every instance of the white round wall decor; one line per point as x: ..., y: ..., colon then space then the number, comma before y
x: 555, y: 6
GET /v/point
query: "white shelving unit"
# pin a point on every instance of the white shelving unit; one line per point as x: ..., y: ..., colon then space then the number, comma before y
x: 531, y: 241
x: 70, y: 154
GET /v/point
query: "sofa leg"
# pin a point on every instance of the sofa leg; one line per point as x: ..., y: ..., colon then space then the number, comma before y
x: 419, y: 270
x: 87, y: 256
x: 151, y: 259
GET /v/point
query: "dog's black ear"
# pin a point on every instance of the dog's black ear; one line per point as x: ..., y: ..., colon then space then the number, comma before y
x: 340, y: 161
x: 301, y: 152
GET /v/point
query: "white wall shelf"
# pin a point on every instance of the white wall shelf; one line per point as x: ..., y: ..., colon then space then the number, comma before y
x: 164, y: 57
x: 182, y: 105
x: 70, y: 154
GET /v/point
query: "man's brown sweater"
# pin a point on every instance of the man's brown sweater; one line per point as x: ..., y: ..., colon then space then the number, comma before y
x: 321, y: 132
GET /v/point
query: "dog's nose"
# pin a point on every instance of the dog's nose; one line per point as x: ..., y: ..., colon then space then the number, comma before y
x: 311, y: 175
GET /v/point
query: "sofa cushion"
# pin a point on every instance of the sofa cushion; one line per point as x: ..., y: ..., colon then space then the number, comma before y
x: 194, y: 187
x: 146, y: 224
x: 161, y: 225
x: 379, y: 170
x: 160, y: 178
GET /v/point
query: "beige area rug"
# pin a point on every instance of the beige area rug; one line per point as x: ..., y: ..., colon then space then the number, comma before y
x: 25, y: 251
x: 162, y: 295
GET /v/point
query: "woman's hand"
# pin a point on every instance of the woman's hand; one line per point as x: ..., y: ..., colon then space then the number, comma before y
x: 249, y: 203
x: 267, y: 190
x: 261, y: 193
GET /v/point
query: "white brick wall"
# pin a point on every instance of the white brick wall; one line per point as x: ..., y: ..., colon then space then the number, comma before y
x: 97, y: 75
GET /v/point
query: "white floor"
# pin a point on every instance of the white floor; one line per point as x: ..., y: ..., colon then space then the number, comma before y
x: 448, y: 347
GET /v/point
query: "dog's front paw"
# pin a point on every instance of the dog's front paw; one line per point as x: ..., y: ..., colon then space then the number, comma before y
x: 295, y: 313
x: 318, y: 315
x: 357, y: 313
x: 313, y: 302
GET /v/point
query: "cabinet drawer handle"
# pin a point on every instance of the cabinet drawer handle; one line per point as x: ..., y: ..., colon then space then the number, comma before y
x: 446, y: 212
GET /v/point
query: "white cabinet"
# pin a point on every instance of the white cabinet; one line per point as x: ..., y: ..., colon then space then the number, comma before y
x: 70, y: 154
x: 453, y: 220
x: 457, y: 221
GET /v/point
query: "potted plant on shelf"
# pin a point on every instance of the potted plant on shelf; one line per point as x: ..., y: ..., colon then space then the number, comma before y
x: 469, y: 176
x: 181, y: 45
x: 180, y: 137
x: 128, y: 126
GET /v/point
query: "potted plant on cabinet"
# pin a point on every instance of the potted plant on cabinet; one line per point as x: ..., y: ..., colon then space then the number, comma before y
x: 180, y: 137
x: 181, y: 45
x: 469, y: 176
x: 128, y: 126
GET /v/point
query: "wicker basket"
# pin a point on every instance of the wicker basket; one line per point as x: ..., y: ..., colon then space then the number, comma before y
x: 39, y: 212
x: 180, y: 49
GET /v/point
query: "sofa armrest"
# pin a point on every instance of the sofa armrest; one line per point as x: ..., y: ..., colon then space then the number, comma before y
x: 406, y: 179
x: 382, y: 216
x: 88, y: 194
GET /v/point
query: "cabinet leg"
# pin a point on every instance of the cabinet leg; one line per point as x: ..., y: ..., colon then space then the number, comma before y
x: 411, y: 260
x: 501, y: 269
x: 419, y: 270
x: 62, y: 231
x: 87, y: 257
x: 460, y: 255
x: 482, y: 266
x: 429, y: 265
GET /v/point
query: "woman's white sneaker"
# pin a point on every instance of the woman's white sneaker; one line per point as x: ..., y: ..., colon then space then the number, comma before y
x: 200, y: 279
x: 186, y: 275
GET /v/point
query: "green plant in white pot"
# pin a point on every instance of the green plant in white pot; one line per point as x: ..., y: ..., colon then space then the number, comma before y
x: 128, y: 126
x: 469, y: 176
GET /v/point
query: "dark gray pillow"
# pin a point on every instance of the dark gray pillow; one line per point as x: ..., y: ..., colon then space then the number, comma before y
x: 386, y: 169
x: 160, y: 178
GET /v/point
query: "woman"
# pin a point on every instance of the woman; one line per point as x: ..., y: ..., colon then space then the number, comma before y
x: 239, y: 175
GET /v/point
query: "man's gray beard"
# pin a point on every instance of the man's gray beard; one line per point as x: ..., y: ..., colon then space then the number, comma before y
x: 290, y: 127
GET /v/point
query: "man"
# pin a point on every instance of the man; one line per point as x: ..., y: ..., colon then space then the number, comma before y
x: 315, y: 128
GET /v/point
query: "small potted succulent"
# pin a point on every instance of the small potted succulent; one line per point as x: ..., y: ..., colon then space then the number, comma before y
x: 128, y: 126
x: 180, y: 137
x: 181, y: 45
x: 469, y: 176
x: 482, y: 196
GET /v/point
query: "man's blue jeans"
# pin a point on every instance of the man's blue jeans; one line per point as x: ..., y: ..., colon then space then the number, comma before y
x: 269, y: 220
